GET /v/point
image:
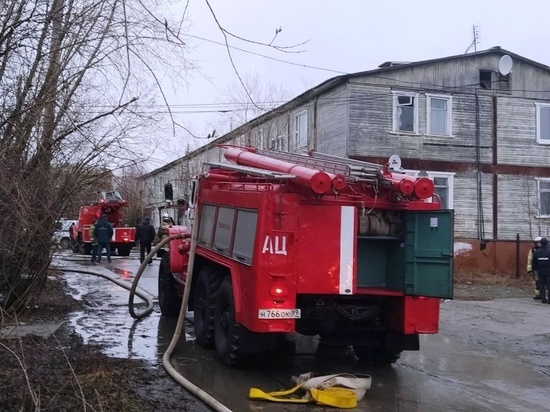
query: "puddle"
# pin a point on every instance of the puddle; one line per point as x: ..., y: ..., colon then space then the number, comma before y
x: 107, y: 322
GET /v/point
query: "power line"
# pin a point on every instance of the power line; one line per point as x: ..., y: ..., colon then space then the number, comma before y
x: 265, y: 56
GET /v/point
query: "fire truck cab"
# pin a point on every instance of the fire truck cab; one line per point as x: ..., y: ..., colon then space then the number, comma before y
x: 351, y: 251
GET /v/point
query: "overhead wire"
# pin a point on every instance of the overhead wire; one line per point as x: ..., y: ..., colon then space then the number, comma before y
x: 231, y: 107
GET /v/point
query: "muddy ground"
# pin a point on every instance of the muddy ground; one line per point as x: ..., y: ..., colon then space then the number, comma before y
x: 60, y: 373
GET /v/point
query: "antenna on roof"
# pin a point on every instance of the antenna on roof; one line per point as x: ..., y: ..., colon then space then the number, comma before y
x: 475, y: 41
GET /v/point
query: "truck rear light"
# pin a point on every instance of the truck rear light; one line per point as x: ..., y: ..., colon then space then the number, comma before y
x: 278, y: 291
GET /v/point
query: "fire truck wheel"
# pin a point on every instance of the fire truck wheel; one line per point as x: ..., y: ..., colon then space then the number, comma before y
x: 205, y: 295
x: 124, y: 250
x: 169, y: 301
x: 76, y: 247
x: 226, y: 330
x: 65, y: 243
x: 86, y: 249
x: 375, y: 355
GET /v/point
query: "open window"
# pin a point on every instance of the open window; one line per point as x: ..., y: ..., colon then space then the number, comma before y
x: 405, y: 112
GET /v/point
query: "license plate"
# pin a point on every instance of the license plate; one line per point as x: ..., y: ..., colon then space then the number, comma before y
x: 279, y: 314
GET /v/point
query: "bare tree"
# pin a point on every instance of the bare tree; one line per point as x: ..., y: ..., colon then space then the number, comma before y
x: 76, y: 77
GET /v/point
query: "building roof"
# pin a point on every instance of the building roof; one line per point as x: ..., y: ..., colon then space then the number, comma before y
x: 329, y: 84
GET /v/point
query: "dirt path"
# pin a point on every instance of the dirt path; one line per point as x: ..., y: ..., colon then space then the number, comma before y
x: 60, y: 373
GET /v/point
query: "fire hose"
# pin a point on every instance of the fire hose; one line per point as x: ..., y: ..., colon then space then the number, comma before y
x: 195, y: 390
x: 321, y: 391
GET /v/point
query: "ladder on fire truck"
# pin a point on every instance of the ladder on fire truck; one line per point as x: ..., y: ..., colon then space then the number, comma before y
x: 353, y: 170
x: 104, y: 197
x: 252, y: 171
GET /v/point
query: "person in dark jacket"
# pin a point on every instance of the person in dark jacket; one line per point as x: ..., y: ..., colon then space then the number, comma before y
x: 93, y: 241
x: 145, y: 233
x: 541, y: 267
x: 103, y: 233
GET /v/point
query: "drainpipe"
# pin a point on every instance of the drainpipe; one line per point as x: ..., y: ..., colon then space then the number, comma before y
x: 314, y: 145
x: 495, y: 171
x: 480, y: 222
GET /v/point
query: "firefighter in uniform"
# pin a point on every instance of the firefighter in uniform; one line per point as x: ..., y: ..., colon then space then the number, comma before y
x: 541, y: 268
x: 162, y: 231
x: 536, y: 242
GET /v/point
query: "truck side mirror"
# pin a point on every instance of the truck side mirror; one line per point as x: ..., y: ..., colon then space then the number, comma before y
x: 193, y: 193
x: 168, y: 192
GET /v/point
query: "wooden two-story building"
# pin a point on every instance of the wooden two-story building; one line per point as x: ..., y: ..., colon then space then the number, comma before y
x: 478, y: 124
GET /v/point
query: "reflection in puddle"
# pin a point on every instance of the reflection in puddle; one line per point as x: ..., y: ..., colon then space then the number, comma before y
x: 108, y: 324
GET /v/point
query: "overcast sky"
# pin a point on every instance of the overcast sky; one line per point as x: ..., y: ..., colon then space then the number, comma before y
x: 342, y: 37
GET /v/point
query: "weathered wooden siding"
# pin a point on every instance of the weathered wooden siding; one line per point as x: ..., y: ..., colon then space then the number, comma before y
x: 529, y: 81
x: 462, y: 75
x: 332, y: 122
x: 465, y: 205
x: 371, y: 121
x: 518, y: 208
x: 516, y: 133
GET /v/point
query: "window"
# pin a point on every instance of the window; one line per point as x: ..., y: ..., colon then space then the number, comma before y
x: 300, y: 130
x: 543, y: 123
x: 405, y: 112
x: 486, y: 79
x: 277, y: 143
x: 443, y: 186
x: 439, y: 116
x: 544, y: 197
x: 258, y: 139
x: 443, y: 183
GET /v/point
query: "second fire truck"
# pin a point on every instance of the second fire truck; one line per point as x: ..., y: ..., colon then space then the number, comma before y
x: 111, y: 204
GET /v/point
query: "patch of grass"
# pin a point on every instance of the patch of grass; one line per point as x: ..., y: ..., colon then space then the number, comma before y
x: 489, y: 279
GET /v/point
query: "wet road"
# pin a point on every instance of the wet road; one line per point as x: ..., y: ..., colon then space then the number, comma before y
x: 490, y: 356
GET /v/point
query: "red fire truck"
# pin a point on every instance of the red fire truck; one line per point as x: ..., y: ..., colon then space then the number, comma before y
x: 111, y: 204
x: 354, y: 252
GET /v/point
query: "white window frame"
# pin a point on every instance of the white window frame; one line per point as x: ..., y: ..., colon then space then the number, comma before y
x: 299, y: 140
x: 540, y: 139
x: 539, y: 212
x: 259, y: 138
x: 449, y: 99
x: 277, y: 142
x: 450, y: 176
x: 395, y: 105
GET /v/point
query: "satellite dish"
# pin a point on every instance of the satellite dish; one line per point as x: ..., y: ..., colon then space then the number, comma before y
x: 505, y: 65
x: 395, y: 162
